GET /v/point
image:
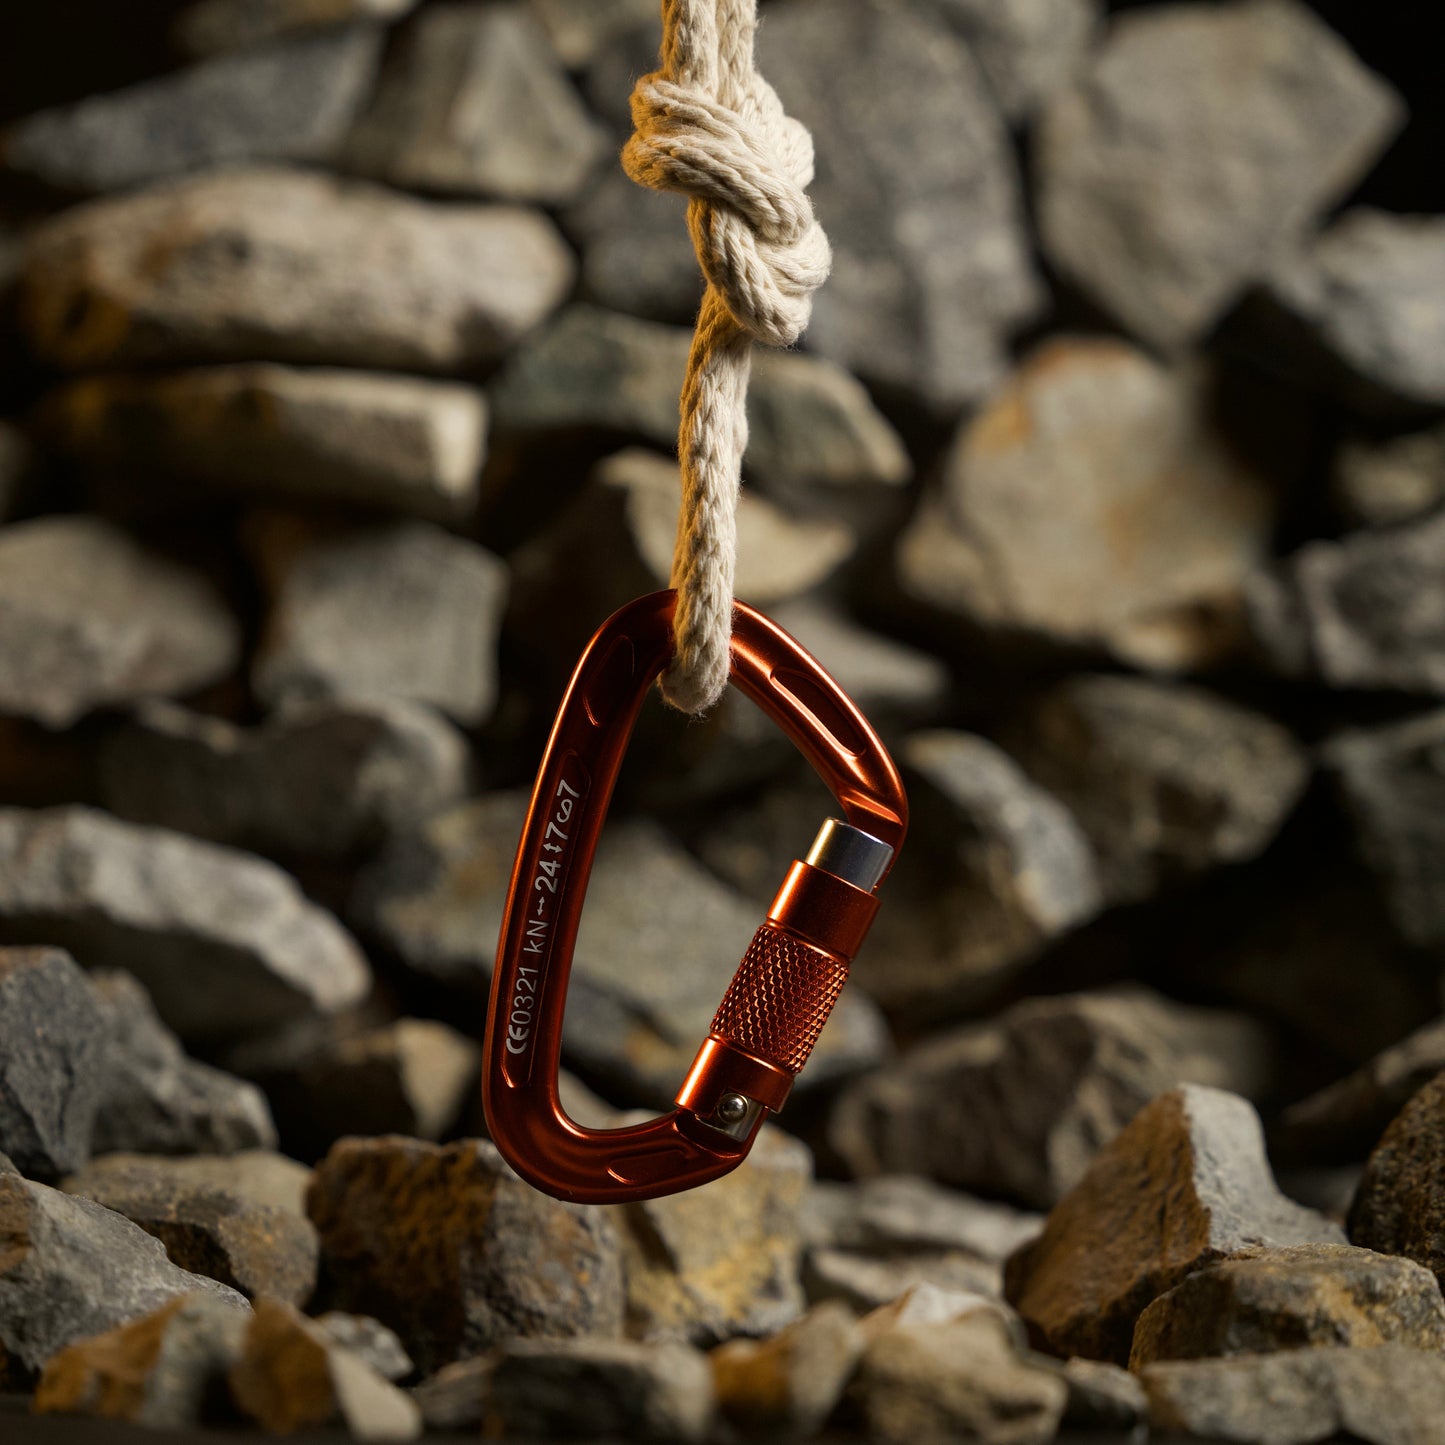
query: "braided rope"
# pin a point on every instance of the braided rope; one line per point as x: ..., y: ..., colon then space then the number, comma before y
x: 708, y: 125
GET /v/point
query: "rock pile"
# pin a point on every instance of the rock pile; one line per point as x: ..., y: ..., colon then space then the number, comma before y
x: 338, y: 388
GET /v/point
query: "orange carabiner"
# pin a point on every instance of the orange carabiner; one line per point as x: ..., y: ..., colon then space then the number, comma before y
x: 789, y: 978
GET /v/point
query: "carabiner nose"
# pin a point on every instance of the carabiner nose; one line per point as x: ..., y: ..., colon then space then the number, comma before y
x: 791, y: 975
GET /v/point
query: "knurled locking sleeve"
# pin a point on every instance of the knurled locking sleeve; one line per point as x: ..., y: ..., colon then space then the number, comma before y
x: 780, y: 998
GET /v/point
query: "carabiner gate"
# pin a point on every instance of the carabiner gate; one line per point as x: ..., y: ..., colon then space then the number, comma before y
x: 793, y: 970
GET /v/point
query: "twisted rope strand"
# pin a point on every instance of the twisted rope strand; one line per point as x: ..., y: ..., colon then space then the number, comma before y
x: 708, y: 125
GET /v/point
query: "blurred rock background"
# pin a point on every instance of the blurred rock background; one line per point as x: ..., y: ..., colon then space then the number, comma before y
x: 338, y: 378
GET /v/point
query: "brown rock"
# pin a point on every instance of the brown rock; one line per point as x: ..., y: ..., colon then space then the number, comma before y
x: 452, y: 1251
x: 288, y: 266
x: 1304, y: 1296
x: 1400, y: 1205
x: 1187, y: 1183
x: 291, y: 1375
x: 790, y: 1383
x: 255, y: 1248
x: 1093, y: 502
x: 259, y: 1177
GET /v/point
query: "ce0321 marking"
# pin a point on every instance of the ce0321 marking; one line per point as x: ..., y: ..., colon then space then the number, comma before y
x: 550, y: 872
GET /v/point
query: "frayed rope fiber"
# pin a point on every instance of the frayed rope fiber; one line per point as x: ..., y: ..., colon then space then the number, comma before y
x: 708, y: 125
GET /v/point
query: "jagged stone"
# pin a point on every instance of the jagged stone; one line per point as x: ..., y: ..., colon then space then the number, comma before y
x: 1364, y: 297
x: 1004, y: 870
x: 1108, y: 1248
x: 1020, y: 1105
x: 1380, y: 482
x: 293, y: 101
x: 475, y: 102
x: 1362, y: 612
x: 1399, y: 1207
x: 327, y: 1079
x: 53, y: 1051
x: 222, y: 941
x: 1389, y: 1396
x: 331, y: 778
x: 1197, y: 142
x: 1167, y: 781
x: 162, y: 1370
x: 395, y: 611
x: 931, y: 267
x: 258, y: 1176
x: 1392, y: 780
x: 633, y: 1018
x: 865, y: 1280
x: 258, y: 1249
x: 1308, y: 1295
x: 1346, y: 1119
x: 707, y: 1265
x: 1026, y: 49
x: 371, y: 1340
x: 71, y: 1269
x: 210, y: 27
x: 581, y: 1389
x: 1103, y: 1397
x: 282, y: 265
x: 156, y: 1099
x: 398, y: 442
x: 1094, y: 502
x: 452, y: 1251
x: 89, y: 618
x: 790, y: 1384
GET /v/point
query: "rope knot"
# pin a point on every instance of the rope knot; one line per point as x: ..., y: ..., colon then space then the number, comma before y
x: 746, y: 169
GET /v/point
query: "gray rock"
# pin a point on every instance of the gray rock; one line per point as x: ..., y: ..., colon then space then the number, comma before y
x: 1094, y: 502
x: 475, y: 102
x: 163, y: 1370
x: 1345, y: 1119
x: 72, y: 1269
x: 223, y: 942
x: 580, y: 1389
x: 1364, y: 612
x: 1026, y: 49
x: 1103, y: 1397
x: 157, y: 1100
x: 258, y: 1249
x: 636, y: 254
x: 931, y: 267
x: 1392, y: 780
x: 1366, y: 296
x: 328, y: 778
x: 810, y: 423
x: 1166, y: 781
x: 292, y: 1375
x: 292, y: 101
x: 1399, y: 1207
x: 1022, y: 1104
x: 867, y: 1280
x: 15, y: 457
x: 330, y: 1078
x: 579, y: 29
x: 210, y: 27
x: 997, y: 870
x: 1303, y: 1296
x: 788, y: 1385
x: 1199, y: 141
x: 90, y: 618
x: 926, y: 1383
x: 1201, y: 1150
x: 1389, y: 1396
x: 257, y: 1176
x: 452, y: 1251
x: 396, y: 611
x: 281, y: 265
x: 397, y: 442
x: 53, y: 1047
x: 1377, y: 483
x: 634, y: 1017
x: 455, y: 1397
x: 369, y: 1338
x: 707, y: 1265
